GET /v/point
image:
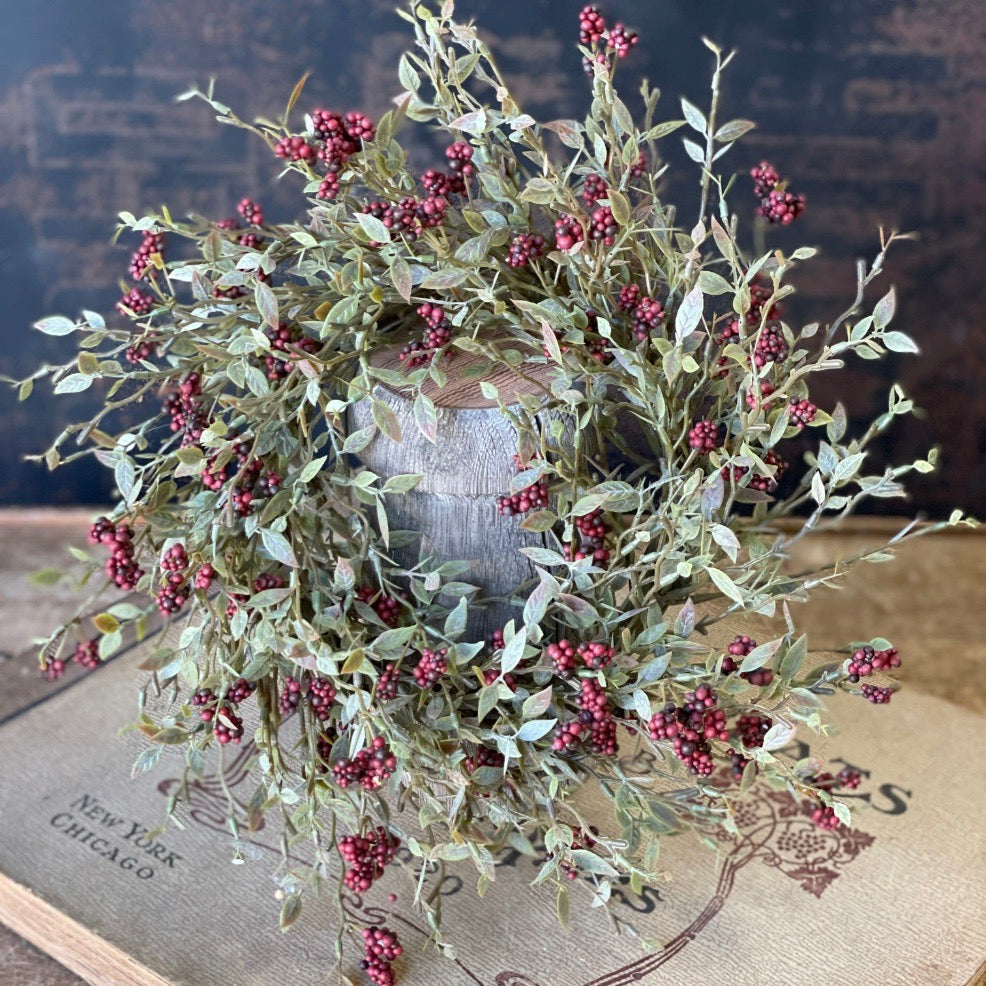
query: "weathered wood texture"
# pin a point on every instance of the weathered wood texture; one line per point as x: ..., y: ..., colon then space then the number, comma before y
x: 468, y: 465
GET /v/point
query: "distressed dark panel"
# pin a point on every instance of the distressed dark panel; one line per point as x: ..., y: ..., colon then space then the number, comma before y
x: 876, y: 109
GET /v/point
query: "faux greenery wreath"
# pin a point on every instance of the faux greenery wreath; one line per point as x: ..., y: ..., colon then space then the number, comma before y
x: 654, y: 466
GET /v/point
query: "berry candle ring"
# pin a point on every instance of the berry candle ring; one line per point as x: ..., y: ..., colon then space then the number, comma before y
x: 440, y: 474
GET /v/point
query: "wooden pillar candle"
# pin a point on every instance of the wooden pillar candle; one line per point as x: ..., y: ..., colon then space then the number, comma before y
x: 468, y: 466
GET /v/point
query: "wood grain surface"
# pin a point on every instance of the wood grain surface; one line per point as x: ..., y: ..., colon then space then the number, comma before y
x: 930, y: 602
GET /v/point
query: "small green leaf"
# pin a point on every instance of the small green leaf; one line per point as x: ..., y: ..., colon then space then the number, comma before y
x: 539, y: 521
x: 759, y: 656
x: 472, y: 123
x: 266, y: 302
x: 694, y: 151
x: 373, y: 227
x: 884, y: 310
x: 455, y: 622
x: 513, y: 651
x: 726, y: 540
x: 620, y: 205
x: 733, y: 130
x: 899, y: 342
x: 535, y: 729
x: 694, y: 116
x: 74, y: 383
x: 105, y: 623
x: 400, y: 274
x: 278, y: 547
x: 538, y: 703
x: 387, y: 421
x: 55, y: 325
x: 539, y: 191
x: 725, y: 584
x: 311, y: 470
x: 290, y: 911
x: 689, y: 313
x: 47, y: 576
x: 426, y: 416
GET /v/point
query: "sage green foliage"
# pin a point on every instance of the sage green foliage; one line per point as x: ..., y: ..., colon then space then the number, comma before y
x: 682, y: 536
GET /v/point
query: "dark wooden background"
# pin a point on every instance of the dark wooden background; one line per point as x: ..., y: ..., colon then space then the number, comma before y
x: 875, y: 108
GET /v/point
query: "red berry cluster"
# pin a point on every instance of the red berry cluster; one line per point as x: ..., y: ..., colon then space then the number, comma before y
x: 484, y: 756
x: 52, y: 668
x: 771, y: 346
x: 592, y: 530
x: 597, y: 715
x: 142, y: 349
x: 782, y: 207
x: 866, y: 660
x: 410, y: 215
x: 567, y: 735
x: 824, y: 815
x: 459, y: 157
x: 876, y: 695
x: 86, y: 654
x: 185, y: 410
x: 174, y: 593
x: 262, y: 582
x: 289, y: 695
x: 621, y: 40
x: 140, y: 262
x: 640, y: 166
x: 594, y: 188
x: 438, y: 332
x: 737, y: 764
x: 801, y: 412
x: 777, y: 205
x: 754, y: 402
x: 740, y: 647
x: 524, y: 248
x: 592, y: 26
x: 568, y: 233
x: 286, y: 338
x: 387, y: 682
x: 491, y: 675
x: 380, y: 948
x: 529, y: 498
x: 765, y: 178
x: 204, y: 577
x: 321, y: 695
x: 369, y: 768
x: 251, y: 212
x: 604, y: 227
x: 704, y: 436
x: 386, y: 607
x: 562, y: 657
x: 240, y: 690
x: 121, y: 566
x: 227, y: 726
x: 368, y: 856
x: 629, y: 297
x: 593, y: 30
x: 751, y: 729
x: 647, y: 312
x: 400, y: 218
x: 596, y: 655
x: 430, y: 667
x: 765, y: 484
x: 690, y: 727
x: 135, y: 302
x: 296, y: 148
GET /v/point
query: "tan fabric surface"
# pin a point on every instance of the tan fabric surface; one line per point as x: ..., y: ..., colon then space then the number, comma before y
x: 896, y: 901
